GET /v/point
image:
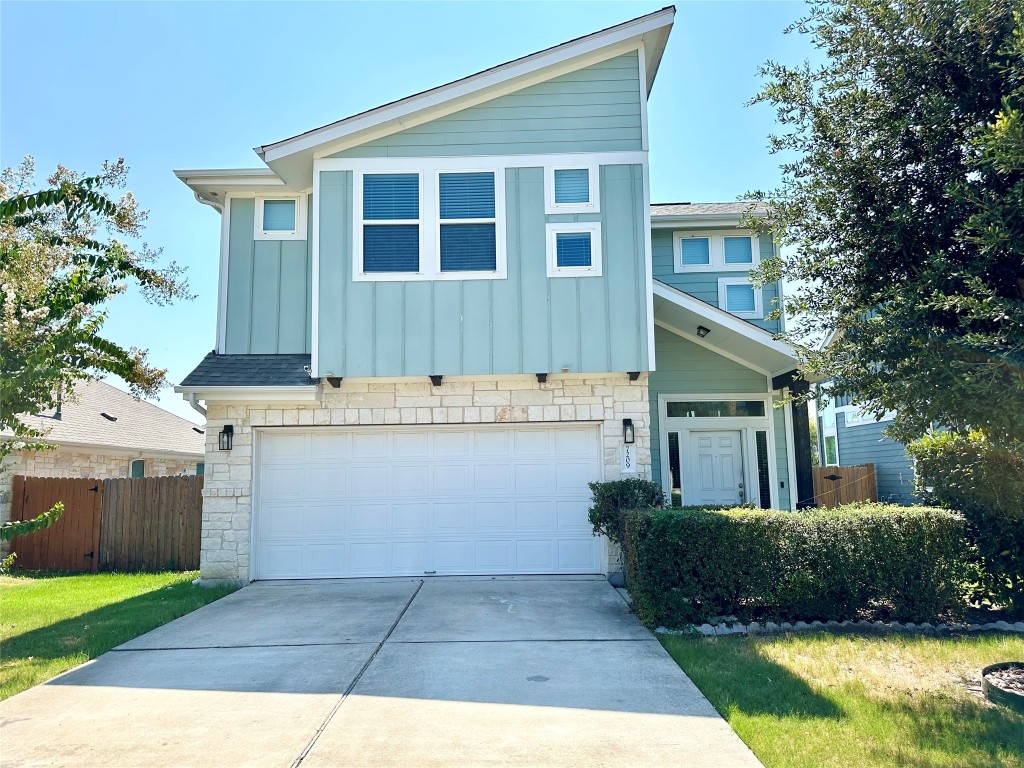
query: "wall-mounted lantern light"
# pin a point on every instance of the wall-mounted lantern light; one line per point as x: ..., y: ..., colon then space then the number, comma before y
x: 702, y: 331
x: 226, y: 436
x: 627, y: 432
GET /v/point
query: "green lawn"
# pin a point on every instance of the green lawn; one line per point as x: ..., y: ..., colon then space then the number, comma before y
x: 50, y: 623
x: 850, y: 700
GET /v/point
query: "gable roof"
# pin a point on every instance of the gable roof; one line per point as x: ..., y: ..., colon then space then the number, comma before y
x: 292, y: 158
x: 249, y: 371
x: 137, y: 425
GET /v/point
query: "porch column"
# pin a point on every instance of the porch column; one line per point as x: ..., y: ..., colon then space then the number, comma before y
x: 802, y: 445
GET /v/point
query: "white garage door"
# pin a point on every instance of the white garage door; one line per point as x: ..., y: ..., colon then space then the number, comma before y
x: 389, y: 501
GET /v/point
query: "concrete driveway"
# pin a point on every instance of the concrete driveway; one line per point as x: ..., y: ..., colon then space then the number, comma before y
x: 445, y: 672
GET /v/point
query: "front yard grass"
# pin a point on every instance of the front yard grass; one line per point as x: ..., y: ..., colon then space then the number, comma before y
x: 51, y: 623
x: 856, y: 700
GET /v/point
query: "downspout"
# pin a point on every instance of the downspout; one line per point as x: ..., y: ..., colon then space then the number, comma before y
x: 195, y: 404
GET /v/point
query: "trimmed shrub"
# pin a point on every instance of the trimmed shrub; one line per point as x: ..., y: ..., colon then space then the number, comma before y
x: 985, y: 483
x: 689, y: 565
x: 615, y: 497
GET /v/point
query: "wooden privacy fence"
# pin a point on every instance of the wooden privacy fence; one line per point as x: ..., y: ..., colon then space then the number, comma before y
x: 835, y: 486
x: 126, y: 524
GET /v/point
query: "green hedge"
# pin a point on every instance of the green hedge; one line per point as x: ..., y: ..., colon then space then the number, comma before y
x: 686, y: 565
x: 985, y: 482
x: 614, y: 498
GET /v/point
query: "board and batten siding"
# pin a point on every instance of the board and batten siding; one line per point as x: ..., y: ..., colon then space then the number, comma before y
x: 704, y: 285
x: 865, y: 444
x: 269, y: 307
x: 684, y: 368
x: 594, y: 109
x: 525, y: 323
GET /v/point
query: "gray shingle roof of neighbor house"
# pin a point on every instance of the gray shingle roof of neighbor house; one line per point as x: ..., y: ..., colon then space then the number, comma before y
x: 705, y: 209
x: 250, y: 371
x: 99, y: 414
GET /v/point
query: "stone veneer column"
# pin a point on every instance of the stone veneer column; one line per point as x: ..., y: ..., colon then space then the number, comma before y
x: 227, y: 492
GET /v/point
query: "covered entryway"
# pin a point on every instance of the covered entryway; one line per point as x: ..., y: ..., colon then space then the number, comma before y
x: 409, y: 501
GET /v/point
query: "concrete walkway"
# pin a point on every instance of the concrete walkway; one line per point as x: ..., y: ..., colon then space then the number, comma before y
x: 446, y: 672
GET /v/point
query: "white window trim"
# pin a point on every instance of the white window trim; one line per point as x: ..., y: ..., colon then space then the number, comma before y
x: 596, y: 266
x: 716, y: 250
x: 593, y: 178
x: 299, y: 233
x: 855, y: 417
x: 725, y: 282
x: 429, y: 223
x: 747, y: 425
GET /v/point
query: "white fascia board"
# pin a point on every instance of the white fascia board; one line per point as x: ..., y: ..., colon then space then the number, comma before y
x: 301, y: 394
x: 725, y: 319
x: 676, y: 221
x: 485, y: 85
x: 214, y: 185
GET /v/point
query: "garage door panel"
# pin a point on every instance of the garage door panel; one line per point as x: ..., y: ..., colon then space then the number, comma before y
x: 493, y: 516
x: 411, y: 518
x: 390, y: 501
x: 535, y: 516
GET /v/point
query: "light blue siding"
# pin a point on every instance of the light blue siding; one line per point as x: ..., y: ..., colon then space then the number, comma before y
x: 704, y: 285
x: 269, y: 310
x: 865, y: 444
x: 595, y: 109
x: 525, y: 323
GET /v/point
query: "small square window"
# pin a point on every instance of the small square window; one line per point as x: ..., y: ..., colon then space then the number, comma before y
x: 695, y: 252
x: 571, y: 190
x: 740, y: 297
x: 280, y: 218
x: 278, y: 215
x: 574, y: 250
x: 572, y: 185
x: 738, y: 250
x: 138, y: 468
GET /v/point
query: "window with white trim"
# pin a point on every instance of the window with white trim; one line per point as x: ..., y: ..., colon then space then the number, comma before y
x: 574, y: 249
x: 280, y: 218
x: 428, y: 224
x: 391, y: 222
x: 724, y: 251
x: 468, y: 224
x: 571, y: 190
x: 739, y: 296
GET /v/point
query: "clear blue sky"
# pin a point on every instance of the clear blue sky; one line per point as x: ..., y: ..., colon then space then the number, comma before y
x: 194, y: 85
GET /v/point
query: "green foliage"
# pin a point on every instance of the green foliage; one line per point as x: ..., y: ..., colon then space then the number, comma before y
x: 13, y: 528
x: 688, y: 565
x: 61, y: 260
x: 901, y: 201
x: 7, y: 564
x: 969, y: 473
x: 615, y: 497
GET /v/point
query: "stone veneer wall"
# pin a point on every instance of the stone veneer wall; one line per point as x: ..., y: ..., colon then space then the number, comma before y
x: 62, y: 463
x: 227, y: 490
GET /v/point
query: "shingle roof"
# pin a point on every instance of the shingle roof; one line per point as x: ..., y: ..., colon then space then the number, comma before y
x: 705, y: 209
x: 135, y: 424
x: 250, y: 371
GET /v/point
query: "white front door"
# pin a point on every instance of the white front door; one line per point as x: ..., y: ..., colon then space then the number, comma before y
x: 714, y: 468
x: 409, y: 501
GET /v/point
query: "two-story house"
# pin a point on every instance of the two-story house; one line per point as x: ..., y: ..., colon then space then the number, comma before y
x: 439, y: 319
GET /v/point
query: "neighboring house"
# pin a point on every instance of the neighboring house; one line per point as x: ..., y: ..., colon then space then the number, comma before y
x: 439, y: 319
x: 103, y: 432
x: 847, y: 436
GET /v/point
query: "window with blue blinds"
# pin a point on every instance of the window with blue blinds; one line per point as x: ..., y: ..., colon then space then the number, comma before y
x: 695, y: 252
x: 278, y: 215
x: 572, y: 185
x: 391, y: 196
x: 572, y: 249
x: 391, y: 247
x: 738, y: 251
x: 740, y: 298
x: 468, y: 224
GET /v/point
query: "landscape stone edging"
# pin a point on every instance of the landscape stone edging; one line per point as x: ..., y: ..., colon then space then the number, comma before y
x: 770, y: 627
